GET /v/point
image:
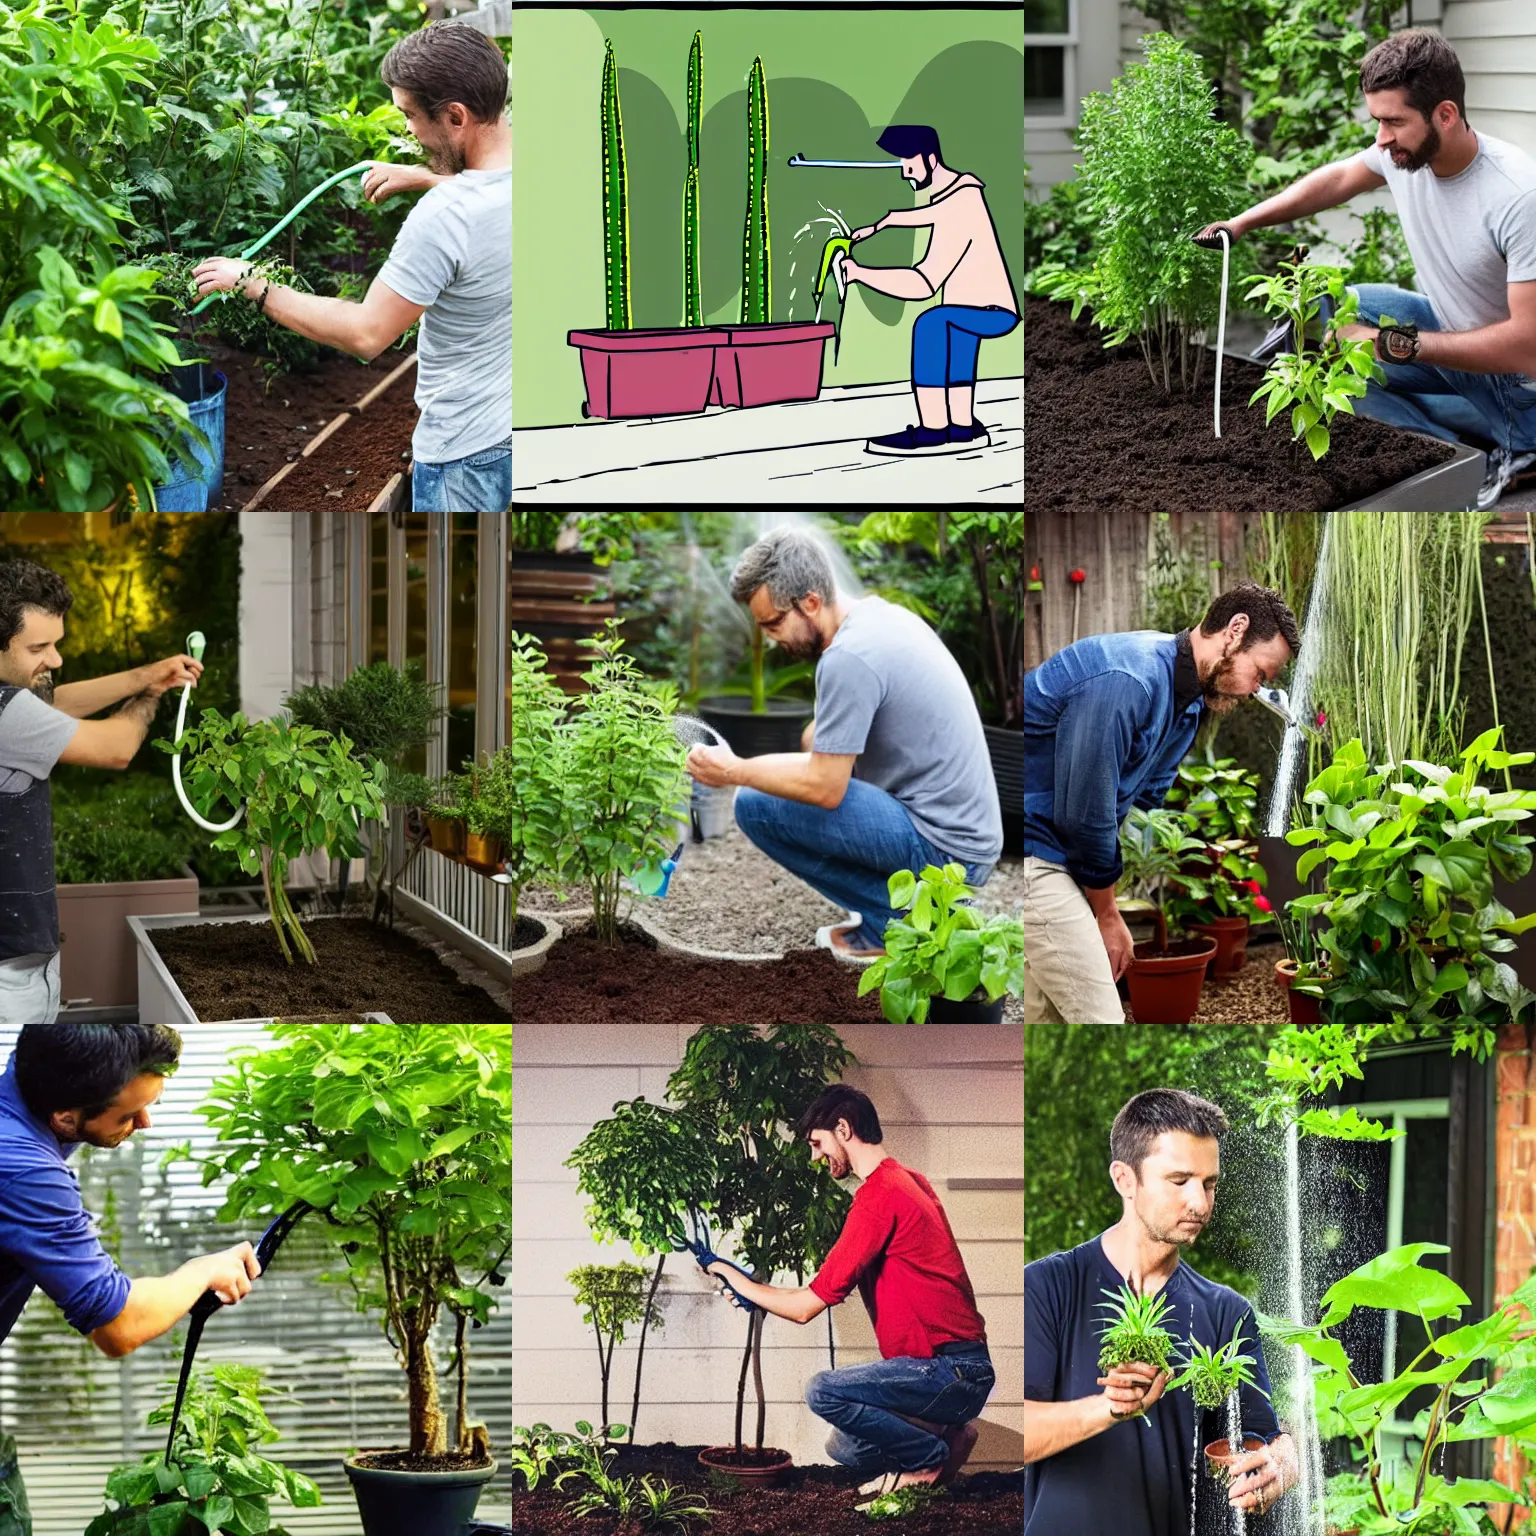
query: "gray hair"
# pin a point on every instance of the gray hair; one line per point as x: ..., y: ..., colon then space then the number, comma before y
x: 790, y: 562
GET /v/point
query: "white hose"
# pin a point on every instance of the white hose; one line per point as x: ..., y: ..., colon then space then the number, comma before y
x: 181, y: 794
x: 1221, y: 325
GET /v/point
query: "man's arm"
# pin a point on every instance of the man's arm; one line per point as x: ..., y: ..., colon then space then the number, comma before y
x: 813, y: 778
x: 1507, y: 346
x: 1326, y: 187
x: 111, y: 743
x: 364, y: 329
x: 799, y: 1306
x: 157, y: 1304
x: 85, y: 698
x: 1053, y: 1427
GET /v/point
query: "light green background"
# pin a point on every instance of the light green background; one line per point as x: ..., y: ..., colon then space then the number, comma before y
x: 835, y: 81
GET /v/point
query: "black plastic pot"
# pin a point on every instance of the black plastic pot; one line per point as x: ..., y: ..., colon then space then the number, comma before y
x: 417, y: 1503
x: 1006, y: 749
x: 942, y: 1011
x: 752, y: 735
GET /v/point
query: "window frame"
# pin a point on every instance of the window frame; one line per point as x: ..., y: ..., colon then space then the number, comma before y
x: 1068, y: 42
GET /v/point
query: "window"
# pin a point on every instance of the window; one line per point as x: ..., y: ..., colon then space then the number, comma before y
x: 378, y: 588
x: 1050, y: 54
x: 463, y: 533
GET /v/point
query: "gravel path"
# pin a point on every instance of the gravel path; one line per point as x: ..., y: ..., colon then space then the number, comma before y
x: 727, y: 894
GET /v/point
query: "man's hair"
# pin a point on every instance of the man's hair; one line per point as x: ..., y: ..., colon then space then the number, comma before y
x: 840, y: 1102
x: 1422, y: 65
x: 449, y: 61
x: 788, y: 561
x: 86, y: 1066
x: 908, y: 139
x: 1267, y: 612
x: 1144, y: 1118
x: 24, y: 585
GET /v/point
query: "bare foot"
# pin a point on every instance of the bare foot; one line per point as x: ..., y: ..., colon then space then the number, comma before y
x: 961, y: 1439
x: 838, y: 943
x: 888, y: 1482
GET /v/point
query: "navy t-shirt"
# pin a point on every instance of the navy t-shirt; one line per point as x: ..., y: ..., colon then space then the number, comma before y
x: 1134, y: 1478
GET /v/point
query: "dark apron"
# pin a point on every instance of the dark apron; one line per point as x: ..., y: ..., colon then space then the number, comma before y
x: 29, y: 909
x: 15, y: 1516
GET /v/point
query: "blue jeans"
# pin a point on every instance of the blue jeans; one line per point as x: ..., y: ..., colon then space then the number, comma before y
x: 1444, y: 402
x: 482, y: 482
x: 946, y: 339
x: 862, y: 1402
x: 848, y: 854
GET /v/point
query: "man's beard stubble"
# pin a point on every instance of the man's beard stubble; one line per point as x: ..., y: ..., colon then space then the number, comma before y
x: 42, y: 686
x: 1417, y: 159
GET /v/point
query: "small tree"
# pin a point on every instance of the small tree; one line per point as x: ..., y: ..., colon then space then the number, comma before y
x: 399, y: 1135
x: 612, y: 1297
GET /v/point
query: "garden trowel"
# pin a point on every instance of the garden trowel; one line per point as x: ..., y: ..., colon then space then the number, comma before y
x: 208, y: 1303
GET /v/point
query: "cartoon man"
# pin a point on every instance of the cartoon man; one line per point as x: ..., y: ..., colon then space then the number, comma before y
x: 963, y: 259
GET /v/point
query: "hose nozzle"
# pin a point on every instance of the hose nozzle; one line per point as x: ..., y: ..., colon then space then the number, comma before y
x: 197, y: 643
x: 1279, y: 702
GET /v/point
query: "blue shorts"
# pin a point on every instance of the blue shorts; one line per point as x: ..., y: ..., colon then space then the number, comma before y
x: 945, y: 341
x: 480, y: 482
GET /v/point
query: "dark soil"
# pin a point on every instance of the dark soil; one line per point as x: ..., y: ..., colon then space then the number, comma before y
x: 809, y: 1501
x: 1099, y: 435
x: 265, y: 428
x: 236, y: 971
x: 349, y: 469
x: 409, y: 1461
x: 769, y: 1456
x: 527, y: 933
x: 584, y: 982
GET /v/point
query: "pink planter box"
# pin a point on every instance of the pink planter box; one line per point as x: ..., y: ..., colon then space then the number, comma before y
x: 98, y: 955
x: 647, y: 373
x: 765, y: 364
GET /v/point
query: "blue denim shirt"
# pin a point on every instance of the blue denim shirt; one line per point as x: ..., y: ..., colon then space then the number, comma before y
x: 1101, y: 733
x: 46, y: 1237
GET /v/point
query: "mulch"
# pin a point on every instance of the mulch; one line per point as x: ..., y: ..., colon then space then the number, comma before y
x: 1250, y: 997
x: 410, y: 1461
x: 810, y: 1501
x: 585, y: 982
x: 237, y: 971
x: 349, y: 469
x: 1098, y: 435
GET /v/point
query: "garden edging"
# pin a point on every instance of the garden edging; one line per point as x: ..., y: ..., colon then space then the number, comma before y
x: 525, y: 961
x: 664, y: 939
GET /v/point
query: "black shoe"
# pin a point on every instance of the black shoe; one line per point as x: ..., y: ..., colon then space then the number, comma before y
x: 973, y: 436
x: 912, y: 441
x: 1281, y: 338
x: 1502, y: 468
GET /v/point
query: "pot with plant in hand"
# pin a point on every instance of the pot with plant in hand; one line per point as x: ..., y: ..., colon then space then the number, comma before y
x: 1133, y: 1332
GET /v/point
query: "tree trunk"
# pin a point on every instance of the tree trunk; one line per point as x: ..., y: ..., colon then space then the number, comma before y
x: 757, y: 1378
x: 429, y: 1433
x: 645, y: 1322
x: 461, y: 1364
x: 741, y: 1380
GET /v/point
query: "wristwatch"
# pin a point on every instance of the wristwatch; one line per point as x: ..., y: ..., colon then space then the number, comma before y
x: 1397, y: 343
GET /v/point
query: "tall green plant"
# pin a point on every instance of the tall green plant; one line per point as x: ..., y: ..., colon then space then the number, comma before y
x: 612, y: 1296
x: 693, y: 312
x: 756, y: 258
x: 615, y: 201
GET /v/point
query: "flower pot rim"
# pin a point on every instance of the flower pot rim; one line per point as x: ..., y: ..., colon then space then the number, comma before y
x: 658, y: 339
x: 786, y: 1459
x: 766, y: 333
x: 1167, y: 963
x: 1223, y: 924
x: 443, y: 1476
x: 1222, y: 1458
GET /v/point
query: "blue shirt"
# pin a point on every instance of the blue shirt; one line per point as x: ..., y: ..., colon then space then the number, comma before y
x: 1103, y: 731
x: 1134, y: 1478
x: 46, y: 1237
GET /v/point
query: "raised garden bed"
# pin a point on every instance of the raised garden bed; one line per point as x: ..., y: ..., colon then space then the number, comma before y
x: 199, y: 970
x: 809, y: 1501
x: 1099, y: 436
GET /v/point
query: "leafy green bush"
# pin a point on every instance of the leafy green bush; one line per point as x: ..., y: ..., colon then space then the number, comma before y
x: 1224, y: 878
x: 129, y: 831
x: 612, y: 1296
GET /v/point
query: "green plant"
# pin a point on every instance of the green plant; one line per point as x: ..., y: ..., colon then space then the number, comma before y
x: 1177, y: 577
x: 216, y: 1480
x: 535, y: 1452
x: 1214, y: 1373
x: 1156, y: 165
x: 942, y: 947
x: 1412, y: 921
x: 901, y: 1501
x: 615, y: 200
x: 756, y: 258
x: 1154, y: 846
x: 1225, y: 878
x: 302, y: 789
x: 1379, y: 253
x: 399, y: 1136
x: 1133, y: 1332
x: 693, y: 312
x: 1306, y: 1064
x: 661, y: 1504
x: 612, y: 1296
x: 129, y: 830
x: 524, y: 784
x: 1057, y: 229
x: 1315, y: 385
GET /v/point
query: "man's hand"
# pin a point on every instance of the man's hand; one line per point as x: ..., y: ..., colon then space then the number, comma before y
x: 229, y: 1274
x: 714, y: 766
x: 222, y: 274
x: 1357, y: 332
x: 867, y: 231
x: 1261, y: 1477
x: 1209, y: 238
x: 385, y: 179
x: 1118, y: 944
x: 1133, y: 1387
x: 723, y: 1272
x: 157, y: 677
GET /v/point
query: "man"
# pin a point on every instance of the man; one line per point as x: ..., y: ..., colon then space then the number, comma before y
x: 1090, y: 1466
x: 893, y: 772
x: 41, y: 725
x: 963, y: 259
x: 94, y: 1083
x: 1106, y: 723
x: 1460, y: 356
x: 451, y: 267
x: 909, y: 1413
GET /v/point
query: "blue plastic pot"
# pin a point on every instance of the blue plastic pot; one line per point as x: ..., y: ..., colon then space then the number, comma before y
x: 187, y: 491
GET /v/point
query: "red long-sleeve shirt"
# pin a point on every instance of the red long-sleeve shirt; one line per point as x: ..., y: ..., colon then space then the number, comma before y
x: 897, y: 1247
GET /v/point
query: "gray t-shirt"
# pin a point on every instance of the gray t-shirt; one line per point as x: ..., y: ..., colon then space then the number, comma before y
x: 454, y: 254
x: 1470, y: 235
x: 32, y: 736
x: 888, y: 690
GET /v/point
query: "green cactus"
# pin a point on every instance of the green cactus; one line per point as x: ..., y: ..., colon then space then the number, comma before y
x: 756, y: 267
x: 615, y: 202
x: 693, y: 304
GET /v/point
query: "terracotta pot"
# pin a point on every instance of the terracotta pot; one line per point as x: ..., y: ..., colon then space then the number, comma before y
x: 482, y: 850
x: 748, y: 1477
x: 445, y: 835
x: 1231, y: 936
x: 1304, y: 1008
x: 1165, y: 983
x: 1219, y: 1454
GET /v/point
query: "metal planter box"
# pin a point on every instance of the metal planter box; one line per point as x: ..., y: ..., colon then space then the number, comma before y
x: 1448, y: 487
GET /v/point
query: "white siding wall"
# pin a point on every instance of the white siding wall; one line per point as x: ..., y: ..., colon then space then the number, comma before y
x: 951, y: 1105
x: 1049, y: 151
x: 1496, y: 42
x: 266, y: 611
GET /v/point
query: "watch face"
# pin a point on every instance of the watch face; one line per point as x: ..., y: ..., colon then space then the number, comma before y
x: 1399, y: 345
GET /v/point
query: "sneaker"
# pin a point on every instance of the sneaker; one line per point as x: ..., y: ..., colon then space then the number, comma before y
x: 836, y: 938
x: 973, y: 436
x: 1281, y: 338
x: 1502, y: 468
x: 912, y: 441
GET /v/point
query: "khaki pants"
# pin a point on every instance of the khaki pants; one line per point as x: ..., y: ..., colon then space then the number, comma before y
x: 15, y: 1516
x: 1067, y: 979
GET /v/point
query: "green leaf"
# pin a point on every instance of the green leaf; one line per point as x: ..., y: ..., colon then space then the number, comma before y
x: 451, y: 1141
x: 217, y: 1512
x: 1396, y: 1281
x: 166, y: 1519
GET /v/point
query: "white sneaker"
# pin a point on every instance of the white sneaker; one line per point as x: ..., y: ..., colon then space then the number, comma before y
x: 1502, y: 468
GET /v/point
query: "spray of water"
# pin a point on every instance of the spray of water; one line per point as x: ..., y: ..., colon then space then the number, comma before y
x: 1301, y: 690
x: 849, y: 587
x: 1309, y: 1448
x: 1235, y: 1448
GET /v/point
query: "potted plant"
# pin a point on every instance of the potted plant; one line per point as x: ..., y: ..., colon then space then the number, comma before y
x: 764, y: 722
x: 1165, y: 977
x: 1303, y: 974
x: 1133, y: 1332
x: 944, y: 961
x: 399, y: 1136
x: 482, y: 813
x: 1214, y: 1375
x: 214, y: 1477
x: 444, y: 817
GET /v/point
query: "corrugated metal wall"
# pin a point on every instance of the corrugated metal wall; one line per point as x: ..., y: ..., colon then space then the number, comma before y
x: 332, y: 1386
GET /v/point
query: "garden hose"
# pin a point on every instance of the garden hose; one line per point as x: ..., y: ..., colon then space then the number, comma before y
x: 1221, y: 324
x: 196, y: 643
x: 278, y: 228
